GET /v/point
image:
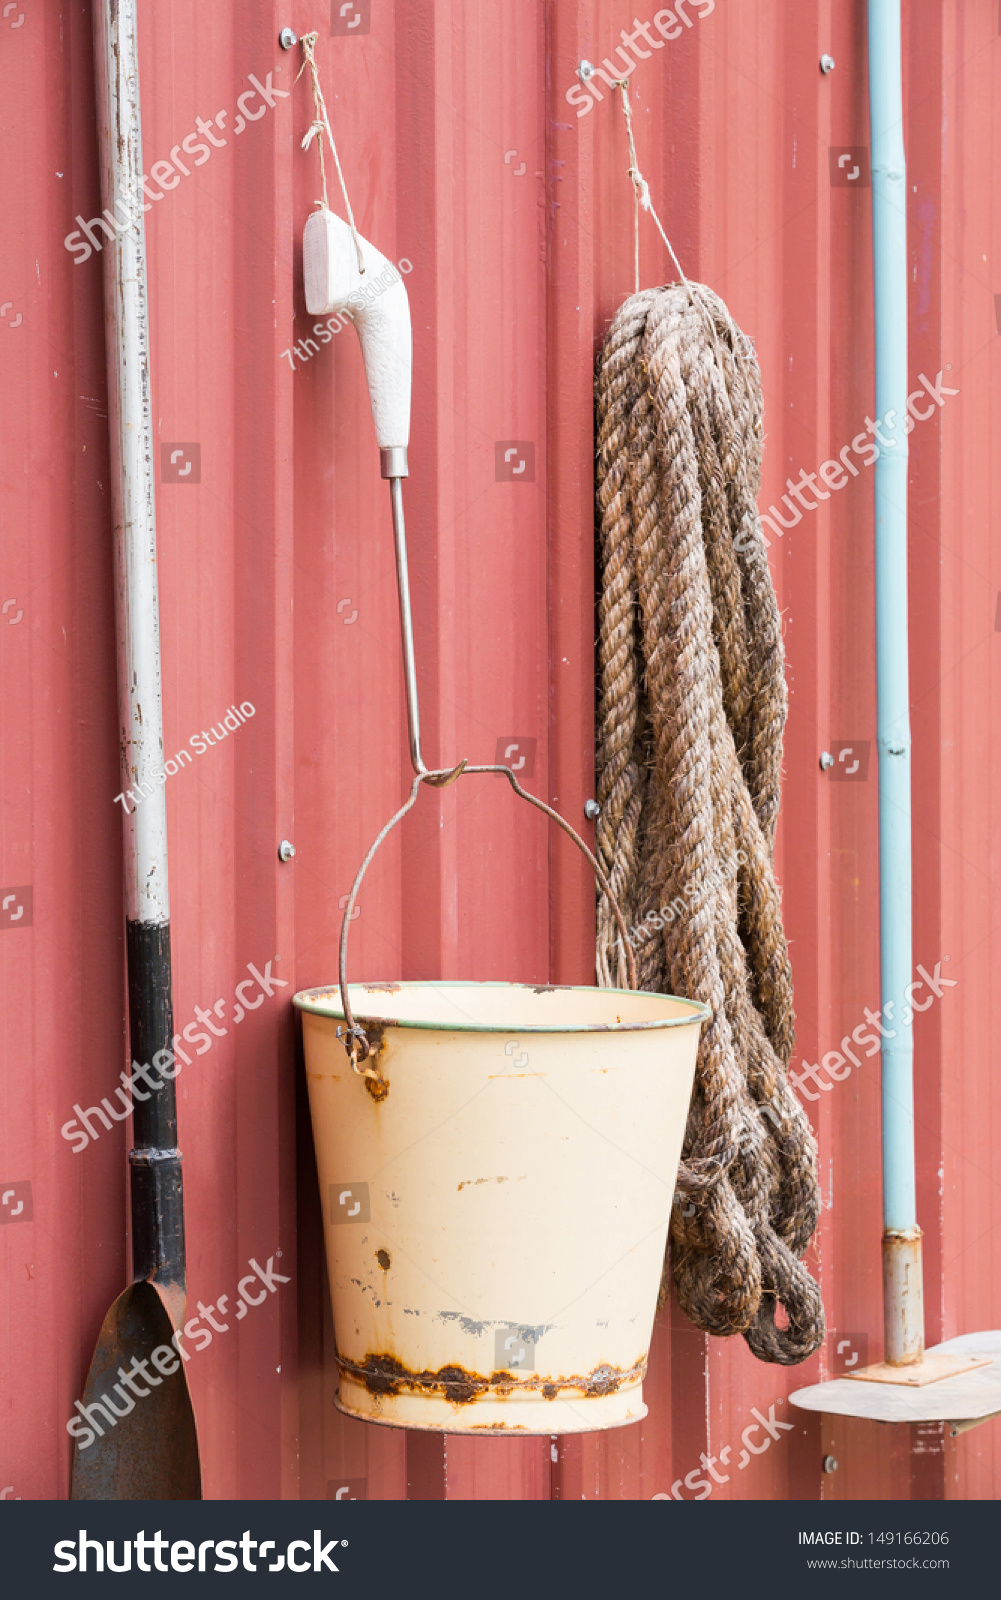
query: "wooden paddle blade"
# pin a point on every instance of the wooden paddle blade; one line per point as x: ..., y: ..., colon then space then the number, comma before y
x: 135, y: 1440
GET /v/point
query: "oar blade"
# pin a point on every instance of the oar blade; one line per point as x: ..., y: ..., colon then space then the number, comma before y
x: 145, y: 1445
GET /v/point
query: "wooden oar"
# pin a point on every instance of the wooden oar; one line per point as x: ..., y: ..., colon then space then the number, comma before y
x: 136, y: 1406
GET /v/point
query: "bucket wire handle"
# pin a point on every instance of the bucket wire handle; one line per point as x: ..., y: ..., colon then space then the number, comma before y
x: 354, y: 1037
x: 394, y: 467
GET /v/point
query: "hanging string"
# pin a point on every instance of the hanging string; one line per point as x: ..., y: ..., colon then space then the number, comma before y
x: 641, y: 192
x: 743, y: 348
x: 321, y: 124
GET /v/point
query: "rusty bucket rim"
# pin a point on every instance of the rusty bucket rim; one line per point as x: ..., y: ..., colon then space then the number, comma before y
x: 325, y: 1001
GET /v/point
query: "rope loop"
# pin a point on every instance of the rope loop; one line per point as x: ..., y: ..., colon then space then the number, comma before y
x: 692, y: 709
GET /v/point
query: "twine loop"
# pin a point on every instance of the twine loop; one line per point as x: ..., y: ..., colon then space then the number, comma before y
x: 319, y: 126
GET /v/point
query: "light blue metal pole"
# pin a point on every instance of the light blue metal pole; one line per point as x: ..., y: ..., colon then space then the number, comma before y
x: 901, y: 1246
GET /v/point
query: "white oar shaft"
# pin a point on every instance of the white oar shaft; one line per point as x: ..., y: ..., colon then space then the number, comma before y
x: 131, y: 435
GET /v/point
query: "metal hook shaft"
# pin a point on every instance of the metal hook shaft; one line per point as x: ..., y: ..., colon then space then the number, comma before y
x: 394, y: 467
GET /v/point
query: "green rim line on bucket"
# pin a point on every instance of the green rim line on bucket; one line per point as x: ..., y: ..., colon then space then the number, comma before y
x: 325, y: 1002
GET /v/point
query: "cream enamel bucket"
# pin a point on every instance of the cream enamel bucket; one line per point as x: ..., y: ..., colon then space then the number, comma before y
x: 495, y: 1223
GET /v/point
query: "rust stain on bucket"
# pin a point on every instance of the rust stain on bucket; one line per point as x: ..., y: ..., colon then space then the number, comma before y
x: 375, y: 1032
x: 472, y: 1183
x: 384, y: 1374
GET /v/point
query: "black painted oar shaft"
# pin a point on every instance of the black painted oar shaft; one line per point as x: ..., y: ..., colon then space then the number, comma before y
x: 154, y: 1160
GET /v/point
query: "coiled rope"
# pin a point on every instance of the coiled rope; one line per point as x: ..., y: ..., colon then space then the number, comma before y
x: 691, y: 718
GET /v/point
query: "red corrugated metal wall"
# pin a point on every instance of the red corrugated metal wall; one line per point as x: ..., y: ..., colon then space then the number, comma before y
x: 465, y: 158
